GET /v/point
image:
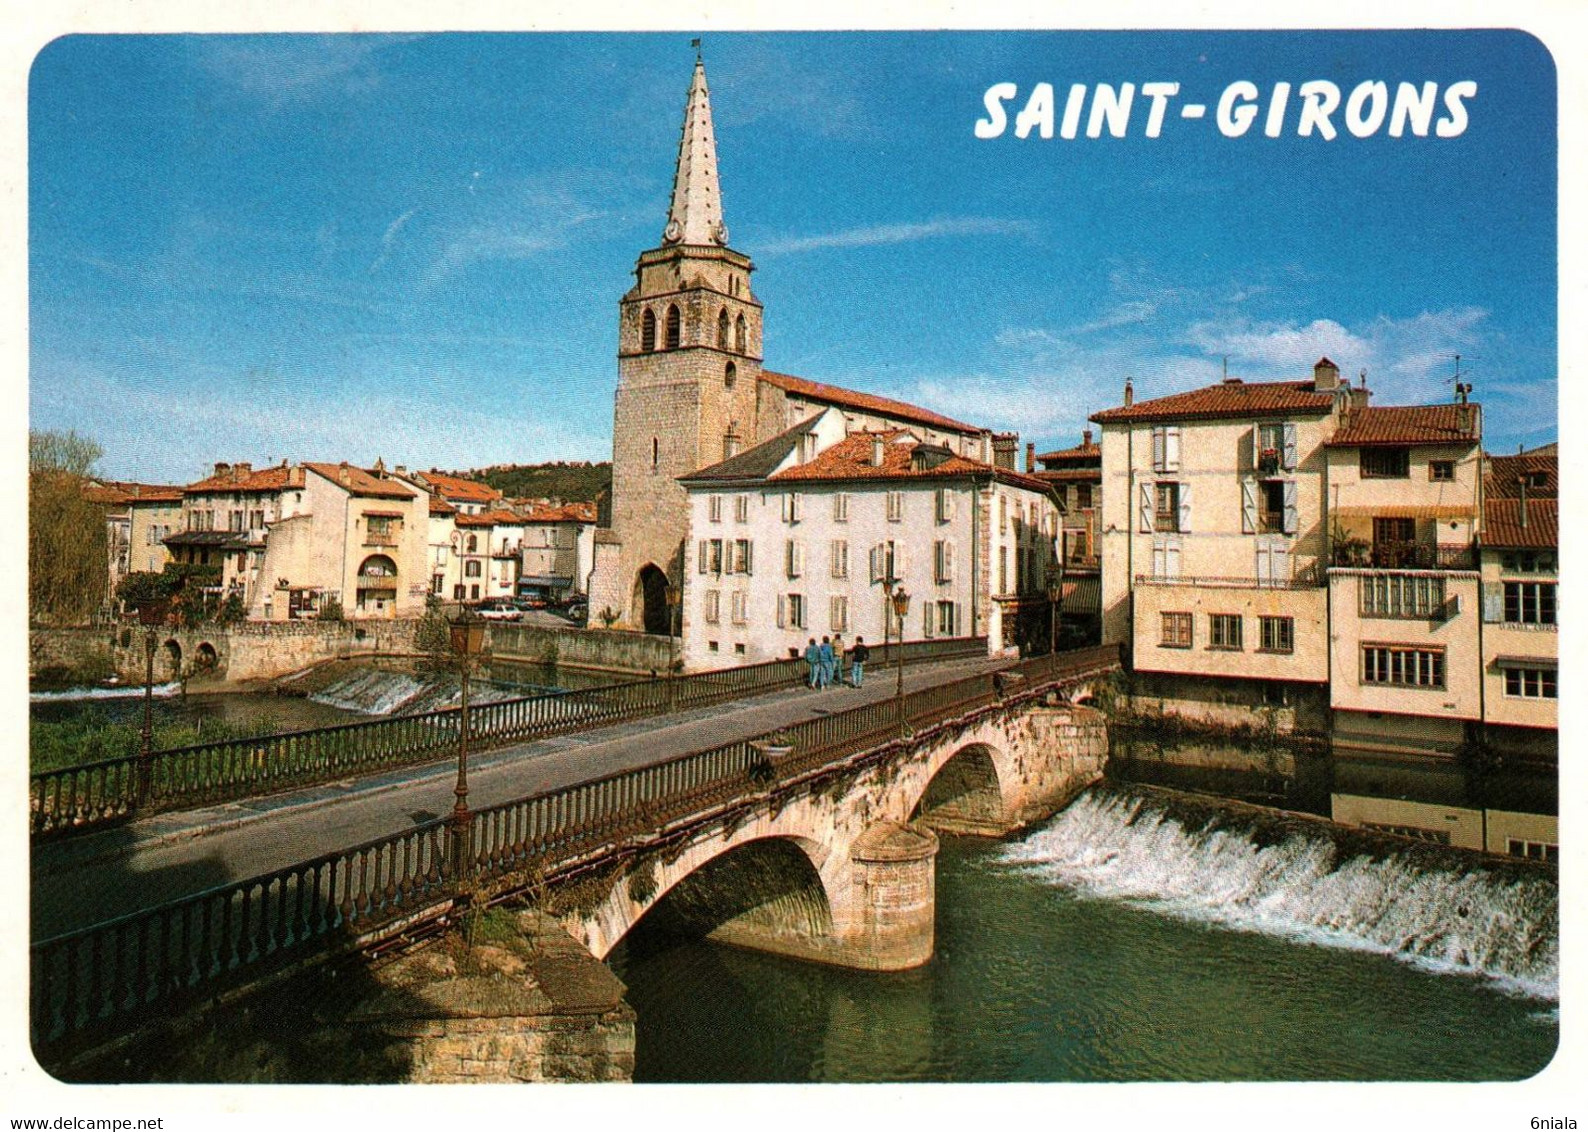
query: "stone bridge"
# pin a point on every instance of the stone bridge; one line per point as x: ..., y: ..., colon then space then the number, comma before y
x: 837, y: 866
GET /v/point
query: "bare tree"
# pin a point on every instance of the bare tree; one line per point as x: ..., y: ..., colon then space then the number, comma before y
x: 67, y: 549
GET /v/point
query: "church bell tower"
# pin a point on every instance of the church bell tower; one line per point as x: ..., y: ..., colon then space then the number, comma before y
x: 689, y: 361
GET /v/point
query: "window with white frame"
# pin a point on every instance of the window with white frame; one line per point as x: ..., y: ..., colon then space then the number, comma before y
x: 945, y: 505
x: 1224, y: 631
x: 887, y: 561
x: 947, y: 619
x: 1403, y: 666
x: 1529, y: 683
x: 943, y: 561
x: 1277, y: 634
x: 1165, y: 558
x: 841, y: 507
x: 710, y: 555
x: 838, y: 613
x: 792, y: 507
x: 739, y: 607
x: 1175, y: 630
x: 712, y: 606
x: 742, y: 560
x: 714, y: 508
x: 1530, y: 603
x: 791, y: 611
x: 1166, y: 448
x: 741, y: 509
x: 794, y: 558
x: 1400, y: 595
x: 895, y: 505
x: 840, y: 558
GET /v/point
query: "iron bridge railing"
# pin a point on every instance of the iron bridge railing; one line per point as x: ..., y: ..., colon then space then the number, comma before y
x: 89, y: 984
x: 90, y: 795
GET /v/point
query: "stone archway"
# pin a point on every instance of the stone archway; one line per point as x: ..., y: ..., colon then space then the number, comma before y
x: 649, y: 602
x: 205, y: 658
x: 965, y: 796
x: 173, y: 657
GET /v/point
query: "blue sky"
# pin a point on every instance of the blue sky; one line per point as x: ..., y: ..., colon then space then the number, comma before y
x: 344, y: 247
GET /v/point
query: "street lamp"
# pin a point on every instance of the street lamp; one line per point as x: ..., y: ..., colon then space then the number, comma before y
x: 901, y: 606
x: 151, y: 615
x: 1055, y: 584
x: 468, y: 637
x: 672, y: 595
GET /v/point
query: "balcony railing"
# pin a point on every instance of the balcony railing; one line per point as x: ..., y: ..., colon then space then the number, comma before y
x: 1404, y: 556
x: 1305, y: 578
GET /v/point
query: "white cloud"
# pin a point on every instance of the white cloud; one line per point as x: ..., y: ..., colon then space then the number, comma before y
x: 286, y: 69
x: 875, y: 234
x: 390, y: 237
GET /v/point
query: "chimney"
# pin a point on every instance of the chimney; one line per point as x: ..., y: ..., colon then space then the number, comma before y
x: 1005, y: 445
x: 1325, y: 376
x: 1522, y: 483
x: 343, y: 475
x: 1086, y: 437
x: 1130, y: 393
x: 380, y: 466
x: 876, y: 450
x: 1031, y: 457
x: 400, y: 469
x: 222, y: 470
x: 242, y: 470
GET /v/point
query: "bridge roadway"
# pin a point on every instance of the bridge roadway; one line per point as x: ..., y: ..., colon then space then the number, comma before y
x: 82, y: 881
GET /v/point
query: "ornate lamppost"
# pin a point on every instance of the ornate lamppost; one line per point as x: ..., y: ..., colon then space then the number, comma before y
x: 1055, y: 586
x: 672, y: 595
x: 152, y: 613
x: 467, y: 636
x: 901, y: 606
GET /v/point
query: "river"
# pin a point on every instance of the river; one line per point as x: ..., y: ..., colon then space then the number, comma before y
x: 1112, y: 945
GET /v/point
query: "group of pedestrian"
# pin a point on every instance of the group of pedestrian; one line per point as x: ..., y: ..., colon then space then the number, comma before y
x: 826, y: 661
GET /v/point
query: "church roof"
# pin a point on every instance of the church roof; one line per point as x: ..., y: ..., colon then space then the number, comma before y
x: 866, y: 402
x: 754, y: 463
x: 696, y: 213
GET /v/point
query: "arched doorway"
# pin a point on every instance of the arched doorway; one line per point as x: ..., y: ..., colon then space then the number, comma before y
x: 205, y: 657
x: 377, y: 586
x: 173, y: 656
x: 650, y: 600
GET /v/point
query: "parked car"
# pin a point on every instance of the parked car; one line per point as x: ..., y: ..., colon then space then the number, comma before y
x: 499, y: 611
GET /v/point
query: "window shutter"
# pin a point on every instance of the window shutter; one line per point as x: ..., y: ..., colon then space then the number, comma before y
x: 1158, y: 449
x: 898, y: 560
x: 1257, y: 442
x: 1171, y: 448
x: 749, y: 556
x: 1290, y: 447
x: 1160, y: 561
x: 926, y: 619
x: 799, y: 558
x: 948, y: 562
x: 1185, y: 507
x: 794, y: 505
x: 782, y: 610
x: 1172, y: 559
x: 1146, y: 508
x: 1249, y: 507
x: 1493, y: 602
x: 1291, y: 522
x: 702, y: 556
x: 876, y: 563
x: 1265, y: 565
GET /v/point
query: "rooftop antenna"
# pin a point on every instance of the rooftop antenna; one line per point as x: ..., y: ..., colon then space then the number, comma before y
x: 1226, y: 367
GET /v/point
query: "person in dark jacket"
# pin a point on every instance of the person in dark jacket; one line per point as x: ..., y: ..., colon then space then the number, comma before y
x: 813, y: 657
x: 857, y: 660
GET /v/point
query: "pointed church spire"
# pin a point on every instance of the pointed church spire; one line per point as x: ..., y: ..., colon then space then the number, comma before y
x: 696, y: 213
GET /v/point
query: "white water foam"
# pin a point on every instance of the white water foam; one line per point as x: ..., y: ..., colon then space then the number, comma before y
x: 117, y: 693
x: 1473, y: 922
x: 374, y: 691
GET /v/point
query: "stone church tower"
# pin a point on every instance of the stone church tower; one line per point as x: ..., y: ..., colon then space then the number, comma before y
x: 689, y: 364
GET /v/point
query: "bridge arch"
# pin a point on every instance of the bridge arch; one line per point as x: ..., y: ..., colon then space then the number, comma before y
x: 767, y: 884
x: 966, y: 793
x: 205, y: 658
x: 173, y: 657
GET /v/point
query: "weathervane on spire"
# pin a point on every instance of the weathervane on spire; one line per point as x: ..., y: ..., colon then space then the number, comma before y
x: 695, y: 43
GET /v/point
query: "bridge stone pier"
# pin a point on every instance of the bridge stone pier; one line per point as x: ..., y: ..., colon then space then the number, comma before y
x: 837, y: 866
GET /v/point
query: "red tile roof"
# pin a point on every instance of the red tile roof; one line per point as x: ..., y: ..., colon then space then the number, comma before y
x: 866, y: 402
x: 439, y: 506
x: 1233, y: 398
x: 490, y: 519
x: 456, y: 488
x: 357, y: 481
x: 567, y: 513
x: 123, y: 492
x: 850, y: 459
x: 1502, y: 523
x: 1071, y: 475
x: 1079, y: 452
x: 274, y: 478
x: 1408, y: 424
x: 1504, y: 471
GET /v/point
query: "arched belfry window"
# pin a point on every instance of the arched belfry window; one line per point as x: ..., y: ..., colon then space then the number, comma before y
x: 722, y: 329
x: 673, y: 328
x: 648, y: 331
x: 738, y: 335
x: 730, y: 375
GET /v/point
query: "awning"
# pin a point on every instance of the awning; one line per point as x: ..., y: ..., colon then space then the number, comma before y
x: 1407, y: 511
x: 1528, y: 661
x: 545, y: 580
x: 384, y: 514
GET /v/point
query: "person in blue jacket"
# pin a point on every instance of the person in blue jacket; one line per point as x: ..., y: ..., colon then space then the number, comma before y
x: 826, y: 653
x: 813, y: 657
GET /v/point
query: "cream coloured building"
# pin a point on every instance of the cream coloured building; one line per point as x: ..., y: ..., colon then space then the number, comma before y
x: 795, y: 539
